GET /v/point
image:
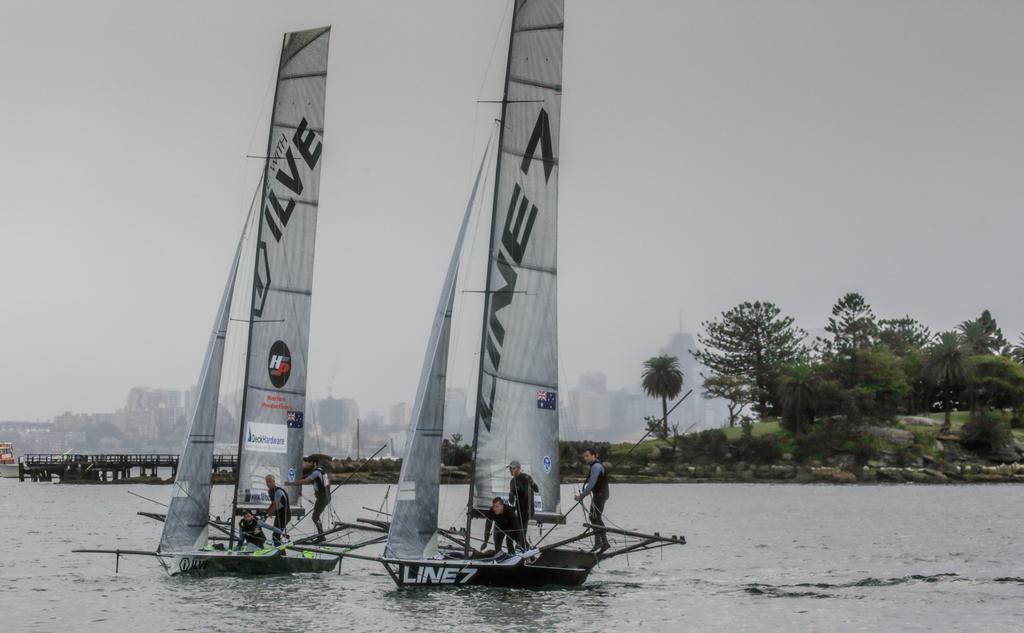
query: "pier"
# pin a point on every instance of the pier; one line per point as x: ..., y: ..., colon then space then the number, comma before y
x: 106, y: 468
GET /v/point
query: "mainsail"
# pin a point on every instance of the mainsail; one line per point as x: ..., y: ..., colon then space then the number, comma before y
x: 413, y: 531
x: 517, y: 402
x: 274, y: 401
x: 185, y: 527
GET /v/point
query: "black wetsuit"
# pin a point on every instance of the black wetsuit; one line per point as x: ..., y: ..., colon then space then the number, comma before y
x: 505, y: 524
x: 322, y: 492
x: 283, y: 513
x: 520, y: 490
x: 251, y: 532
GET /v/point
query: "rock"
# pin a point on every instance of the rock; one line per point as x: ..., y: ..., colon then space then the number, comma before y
x: 936, y: 476
x: 1005, y: 454
x: 844, y: 477
x: 784, y: 471
x: 833, y: 475
x: 890, y: 474
x: 842, y: 461
x: 899, y: 437
x: 920, y: 421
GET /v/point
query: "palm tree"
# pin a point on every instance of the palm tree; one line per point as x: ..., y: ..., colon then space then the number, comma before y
x: 662, y: 378
x: 798, y: 390
x: 1017, y: 351
x: 945, y: 367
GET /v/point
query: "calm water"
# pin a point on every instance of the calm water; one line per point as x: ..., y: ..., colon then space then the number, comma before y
x: 759, y: 558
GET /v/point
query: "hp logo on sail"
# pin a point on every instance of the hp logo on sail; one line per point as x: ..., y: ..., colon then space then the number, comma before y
x: 280, y: 364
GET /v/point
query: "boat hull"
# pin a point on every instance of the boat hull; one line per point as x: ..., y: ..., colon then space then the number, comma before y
x: 220, y: 563
x: 9, y: 471
x: 564, y: 568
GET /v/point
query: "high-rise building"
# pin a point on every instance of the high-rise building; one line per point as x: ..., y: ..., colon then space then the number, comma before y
x: 398, y: 416
x: 593, y: 412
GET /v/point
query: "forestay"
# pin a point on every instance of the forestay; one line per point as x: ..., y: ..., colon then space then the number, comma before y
x: 413, y: 531
x: 185, y: 527
x: 517, y: 407
x: 271, y: 437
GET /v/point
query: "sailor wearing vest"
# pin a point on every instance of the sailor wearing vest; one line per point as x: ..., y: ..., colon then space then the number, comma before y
x: 597, y: 486
x: 279, y: 508
x: 250, y: 531
x: 321, y: 488
x: 520, y: 492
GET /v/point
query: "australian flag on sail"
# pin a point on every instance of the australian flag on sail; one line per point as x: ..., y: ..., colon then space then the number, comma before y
x: 294, y: 419
x: 546, y: 400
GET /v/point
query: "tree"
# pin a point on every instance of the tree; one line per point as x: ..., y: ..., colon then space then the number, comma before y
x: 903, y: 335
x: 945, y: 369
x: 662, y: 378
x: 1017, y: 351
x: 879, y: 383
x: 852, y: 326
x: 735, y: 390
x: 798, y: 391
x: 995, y: 382
x: 752, y: 341
x: 982, y: 335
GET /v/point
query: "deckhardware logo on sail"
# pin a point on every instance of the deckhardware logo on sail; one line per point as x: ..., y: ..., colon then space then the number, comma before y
x: 276, y: 213
x: 266, y: 438
x: 515, y: 236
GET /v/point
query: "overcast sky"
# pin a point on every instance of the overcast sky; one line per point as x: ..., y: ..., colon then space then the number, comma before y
x: 712, y: 152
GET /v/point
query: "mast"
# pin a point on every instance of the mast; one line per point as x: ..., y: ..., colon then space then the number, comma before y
x: 487, y: 282
x: 252, y: 301
x: 271, y: 436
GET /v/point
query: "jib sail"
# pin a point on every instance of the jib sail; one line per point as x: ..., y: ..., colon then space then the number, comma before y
x: 413, y: 531
x: 274, y: 402
x: 185, y: 527
x: 517, y: 402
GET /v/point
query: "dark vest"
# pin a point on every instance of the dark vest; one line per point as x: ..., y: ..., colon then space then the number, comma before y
x: 284, y: 512
x: 320, y: 485
x: 601, y: 486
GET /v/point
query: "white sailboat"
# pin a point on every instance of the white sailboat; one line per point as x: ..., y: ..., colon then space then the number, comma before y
x: 271, y: 427
x: 517, y: 400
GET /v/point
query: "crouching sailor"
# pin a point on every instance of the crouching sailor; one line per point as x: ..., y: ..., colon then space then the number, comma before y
x: 506, y: 525
x: 597, y: 486
x: 321, y: 488
x: 279, y: 508
x: 251, y: 532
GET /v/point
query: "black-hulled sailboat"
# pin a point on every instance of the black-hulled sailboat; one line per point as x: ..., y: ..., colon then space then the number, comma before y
x: 517, y: 402
x: 273, y: 404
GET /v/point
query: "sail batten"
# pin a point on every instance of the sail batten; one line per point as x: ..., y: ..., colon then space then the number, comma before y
x: 274, y: 402
x: 517, y: 395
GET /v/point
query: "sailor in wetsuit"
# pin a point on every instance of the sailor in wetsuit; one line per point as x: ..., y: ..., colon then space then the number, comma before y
x: 506, y: 524
x: 250, y: 531
x: 279, y: 508
x: 597, y: 486
x: 321, y: 488
x: 520, y: 492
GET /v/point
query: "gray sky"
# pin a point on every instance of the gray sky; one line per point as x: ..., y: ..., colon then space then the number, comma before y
x: 712, y: 152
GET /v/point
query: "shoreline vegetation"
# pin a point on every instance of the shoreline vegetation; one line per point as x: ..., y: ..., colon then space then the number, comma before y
x: 874, y: 400
x: 912, y: 449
